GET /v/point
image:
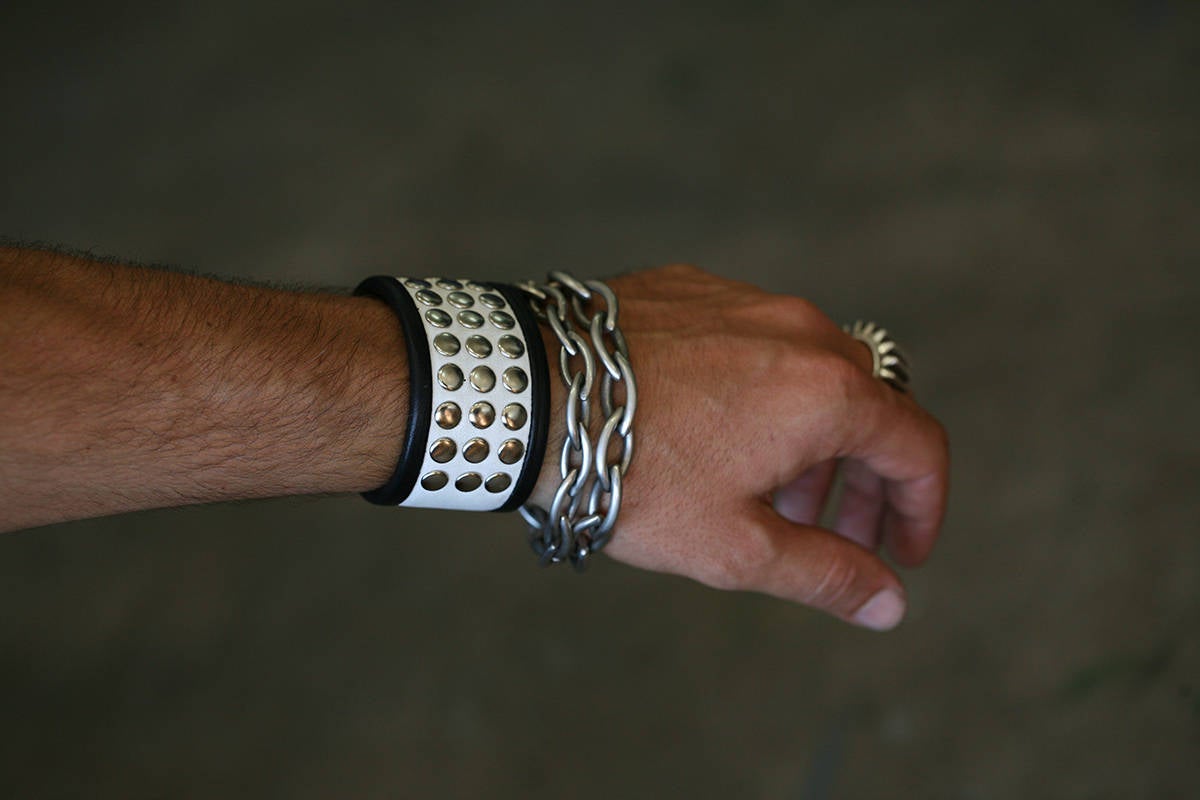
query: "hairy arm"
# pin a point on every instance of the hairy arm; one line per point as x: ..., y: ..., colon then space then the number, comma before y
x: 126, y: 388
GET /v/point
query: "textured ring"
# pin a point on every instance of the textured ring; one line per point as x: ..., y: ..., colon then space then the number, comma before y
x: 479, y: 397
x: 888, y: 362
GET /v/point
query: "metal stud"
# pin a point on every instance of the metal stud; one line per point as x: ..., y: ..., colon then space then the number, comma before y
x: 511, y: 451
x: 469, y: 319
x: 468, y: 482
x: 450, y: 377
x: 511, y: 346
x: 460, y: 299
x: 491, y: 300
x: 446, y: 343
x: 479, y: 287
x: 448, y: 283
x: 515, y: 379
x: 483, y: 379
x: 475, y: 450
x: 479, y: 346
x: 442, y: 450
x: 434, y: 480
x: 502, y: 320
x: 416, y: 283
x: 438, y: 318
x: 429, y: 298
x: 498, y: 482
x: 482, y: 414
x: 448, y: 415
x: 515, y: 416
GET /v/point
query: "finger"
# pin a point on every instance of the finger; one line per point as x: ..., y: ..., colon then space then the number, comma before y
x: 904, y: 515
x: 861, y: 509
x: 803, y: 499
x: 903, y: 445
x: 816, y: 567
x: 907, y: 449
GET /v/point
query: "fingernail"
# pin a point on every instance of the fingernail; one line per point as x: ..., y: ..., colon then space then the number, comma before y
x: 882, y: 612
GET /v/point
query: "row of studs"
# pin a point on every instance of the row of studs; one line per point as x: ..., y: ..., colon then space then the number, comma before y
x: 478, y: 346
x: 482, y: 415
x: 462, y: 300
x: 470, y: 319
x: 467, y: 482
x: 450, y: 376
x: 475, y: 450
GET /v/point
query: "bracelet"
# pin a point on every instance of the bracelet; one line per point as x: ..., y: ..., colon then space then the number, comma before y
x: 478, y: 394
x: 584, y: 510
x: 479, y: 404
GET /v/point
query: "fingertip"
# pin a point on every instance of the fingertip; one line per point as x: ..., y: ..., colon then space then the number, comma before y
x: 883, y: 612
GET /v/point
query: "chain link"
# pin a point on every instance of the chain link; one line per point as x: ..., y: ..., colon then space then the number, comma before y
x: 584, y: 510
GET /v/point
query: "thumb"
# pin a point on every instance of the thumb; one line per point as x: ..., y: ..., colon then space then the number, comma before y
x: 817, y: 567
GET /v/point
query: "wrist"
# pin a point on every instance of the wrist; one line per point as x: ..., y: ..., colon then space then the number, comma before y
x: 377, y: 389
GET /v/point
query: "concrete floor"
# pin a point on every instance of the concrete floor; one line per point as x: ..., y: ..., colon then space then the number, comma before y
x: 1016, y: 192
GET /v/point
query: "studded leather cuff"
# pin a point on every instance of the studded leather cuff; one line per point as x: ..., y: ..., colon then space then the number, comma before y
x: 478, y: 394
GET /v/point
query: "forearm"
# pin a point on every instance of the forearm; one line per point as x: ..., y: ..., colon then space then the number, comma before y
x: 124, y: 388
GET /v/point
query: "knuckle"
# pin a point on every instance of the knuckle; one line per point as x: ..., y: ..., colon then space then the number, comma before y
x: 798, y: 306
x: 680, y: 270
x: 812, y: 371
x: 842, y: 379
x: 845, y: 374
x: 787, y: 311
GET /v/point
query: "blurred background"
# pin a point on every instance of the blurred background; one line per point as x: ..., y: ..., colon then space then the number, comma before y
x: 1014, y: 190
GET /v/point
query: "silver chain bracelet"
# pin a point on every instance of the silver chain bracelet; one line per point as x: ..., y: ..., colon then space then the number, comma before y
x: 584, y: 509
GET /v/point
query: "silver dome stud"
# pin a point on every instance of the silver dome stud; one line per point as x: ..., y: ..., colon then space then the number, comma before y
x: 479, y: 347
x: 448, y: 415
x: 446, y: 343
x: 434, y: 480
x: 442, y: 450
x: 483, y: 379
x: 470, y: 319
x: 514, y: 416
x: 468, y: 482
x: 450, y: 377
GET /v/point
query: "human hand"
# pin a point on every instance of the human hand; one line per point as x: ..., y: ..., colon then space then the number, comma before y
x: 748, y: 401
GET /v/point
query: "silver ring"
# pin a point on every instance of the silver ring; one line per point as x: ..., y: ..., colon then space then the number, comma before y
x: 888, y: 361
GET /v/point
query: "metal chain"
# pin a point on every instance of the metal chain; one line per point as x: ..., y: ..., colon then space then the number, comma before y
x: 584, y: 510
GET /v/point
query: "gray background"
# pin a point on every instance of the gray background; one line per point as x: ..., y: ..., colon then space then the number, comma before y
x: 1015, y: 191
